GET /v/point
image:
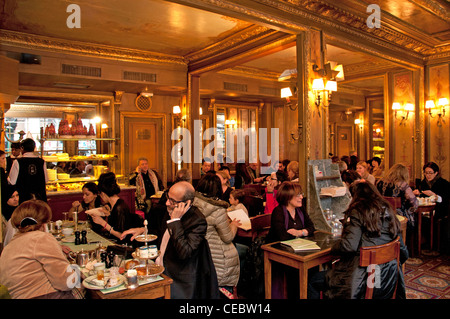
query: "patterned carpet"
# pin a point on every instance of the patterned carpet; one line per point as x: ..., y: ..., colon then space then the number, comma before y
x: 428, y: 277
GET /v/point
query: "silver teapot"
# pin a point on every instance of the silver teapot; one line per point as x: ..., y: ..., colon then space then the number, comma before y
x: 81, y: 258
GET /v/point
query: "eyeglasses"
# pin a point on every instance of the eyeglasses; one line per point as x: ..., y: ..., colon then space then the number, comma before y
x: 174, y: 202
x: 429, y: 173
x: 300, y: 195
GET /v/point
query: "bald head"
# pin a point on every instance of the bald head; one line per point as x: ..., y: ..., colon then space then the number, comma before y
x: 182, y: 191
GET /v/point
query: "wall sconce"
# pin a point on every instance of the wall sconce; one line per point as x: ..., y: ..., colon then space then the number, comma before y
x: 299, y: 133
x: 176, y: 111
x: 286, y: 93
x: 231, y: 124
x: 405, y: 109
x: 441, y: 104
x: 323, y: 91
x: 359, y: 123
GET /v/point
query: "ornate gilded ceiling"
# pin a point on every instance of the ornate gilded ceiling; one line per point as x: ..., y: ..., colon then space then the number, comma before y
x: 253, y: 38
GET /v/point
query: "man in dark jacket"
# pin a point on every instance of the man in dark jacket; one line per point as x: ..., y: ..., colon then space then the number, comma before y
x: 29, y: 173
x: 185, y: 253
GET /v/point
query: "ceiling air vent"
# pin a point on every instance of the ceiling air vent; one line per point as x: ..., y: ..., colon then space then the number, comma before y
x: 139, y: 76
x: 235, y: 86
x: 269, y: 91
x: 81, y: 70
x: 346, y: 101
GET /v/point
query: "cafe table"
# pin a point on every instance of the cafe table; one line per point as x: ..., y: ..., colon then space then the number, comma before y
x: 422, y: 210
x: 153, y: 288
x: 149, y: 288
x: 279, y: 253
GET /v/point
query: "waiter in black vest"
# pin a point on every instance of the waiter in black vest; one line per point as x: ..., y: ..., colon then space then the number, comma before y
x: 29, y: 173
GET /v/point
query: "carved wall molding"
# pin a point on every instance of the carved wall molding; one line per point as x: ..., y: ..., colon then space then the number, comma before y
x: 31, y: 41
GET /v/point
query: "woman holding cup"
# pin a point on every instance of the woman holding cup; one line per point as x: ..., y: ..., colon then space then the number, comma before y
x: 91, y: 200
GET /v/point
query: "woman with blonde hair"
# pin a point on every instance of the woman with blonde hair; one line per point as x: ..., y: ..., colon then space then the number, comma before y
x: 363, y: 170
x: 225, y: 177
x: 293, y: 171
x: 396, y: 184
x: 33, y: 264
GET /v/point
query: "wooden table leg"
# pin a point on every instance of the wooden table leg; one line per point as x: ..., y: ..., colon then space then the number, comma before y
x: 419, y: 233
x: 431, y: 229
x: 303, y: 281
x: 267, y: 276
x: 167, y: 292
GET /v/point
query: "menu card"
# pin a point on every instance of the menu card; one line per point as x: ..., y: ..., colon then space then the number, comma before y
x: 300, y: 244
x: 243, y: 218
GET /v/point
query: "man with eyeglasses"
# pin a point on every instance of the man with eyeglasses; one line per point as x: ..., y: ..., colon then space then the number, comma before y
x: 184, y: 251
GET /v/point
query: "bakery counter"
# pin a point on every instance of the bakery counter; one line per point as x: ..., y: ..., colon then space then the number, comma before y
x: 61, y: 201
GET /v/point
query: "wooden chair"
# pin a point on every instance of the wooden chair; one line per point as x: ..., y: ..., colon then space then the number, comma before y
x: 378, y: 255
x: 260, y: 225
x: 396, y: 202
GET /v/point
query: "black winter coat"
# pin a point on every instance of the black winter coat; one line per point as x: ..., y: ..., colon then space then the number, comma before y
x: 347, y: 280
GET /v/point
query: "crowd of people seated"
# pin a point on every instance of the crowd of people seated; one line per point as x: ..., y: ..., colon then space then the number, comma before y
x: 199, y: 243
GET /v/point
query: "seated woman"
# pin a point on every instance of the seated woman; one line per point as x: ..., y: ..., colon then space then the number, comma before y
x: 224, y: 176
x: 221, y: 230
x: 439, y: 188
x: 10, y: 201
x: 434, y: 185
x: 288, y: 220
x: 363, y: 169
x: 91, y: 200
x: 275, y: 181
x: 242, y: 177
x: 369, y: 221
x: 120, y: 217
x: 33, y: 264
x: 293, y: 171
x: 395, y: 184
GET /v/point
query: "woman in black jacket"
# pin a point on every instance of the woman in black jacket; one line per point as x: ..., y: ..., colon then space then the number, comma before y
x: 369, y: 221
x: 288, y: 220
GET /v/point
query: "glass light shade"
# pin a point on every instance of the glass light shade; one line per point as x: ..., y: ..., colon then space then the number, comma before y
x: 357, y: 121
x: 318, y: 84
x: 200, y: 111
x: 331, y: 86
x: 340, y: 75
x: 409, y: 107
x: 227, y: 122
x: 396, y: 106
x: 104, y: 125
x: 97, y: 119
x: 429, y: 104
x: 443, y: 102
x: 176, y: 109
x: 286, y: 92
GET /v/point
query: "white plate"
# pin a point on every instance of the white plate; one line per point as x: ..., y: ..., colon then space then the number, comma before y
x: 87, y: 282
x: 70, y: 239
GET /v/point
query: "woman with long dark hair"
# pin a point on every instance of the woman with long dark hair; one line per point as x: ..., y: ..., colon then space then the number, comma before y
x: 369, y: 221
x: 120, y: 217
x: 91, y: 200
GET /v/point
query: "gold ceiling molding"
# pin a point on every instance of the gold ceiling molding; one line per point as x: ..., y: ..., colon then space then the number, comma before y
x: 326, y: 13
x: 434, y: 7
x: 373, y: 67
x: 231, y: 60
x: 250, y: 72
x: 31, y: 41
x: 243, y: 37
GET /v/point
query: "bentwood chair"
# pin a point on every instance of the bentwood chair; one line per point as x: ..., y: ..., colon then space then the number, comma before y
x: 396, y: 202
x: 378, y: 255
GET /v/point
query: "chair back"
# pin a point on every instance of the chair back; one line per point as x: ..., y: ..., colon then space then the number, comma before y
x: 378, y: 255
x: 396, y: 202
x: 260, y: 225
x: 254, y: 205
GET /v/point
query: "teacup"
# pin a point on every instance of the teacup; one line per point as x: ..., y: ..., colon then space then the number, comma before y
x: 143, y: 252
x: 67, y: 231
x: 152, y: 251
